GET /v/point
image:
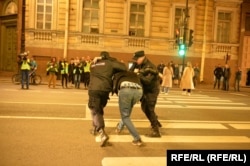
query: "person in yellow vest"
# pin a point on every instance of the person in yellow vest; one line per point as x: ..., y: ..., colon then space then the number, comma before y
x: 52, y: 69
x: 64, y: 72
x: 87, y: 72
x: 25, y: 68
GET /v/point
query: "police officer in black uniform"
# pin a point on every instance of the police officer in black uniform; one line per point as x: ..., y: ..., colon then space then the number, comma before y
x: 100, y: 86
x: 149, y: 77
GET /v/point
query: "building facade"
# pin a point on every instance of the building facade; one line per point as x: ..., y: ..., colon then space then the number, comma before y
x: 79, y: 28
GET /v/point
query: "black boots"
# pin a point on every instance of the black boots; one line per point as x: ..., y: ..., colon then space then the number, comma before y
x: 104, y: 137
x: 154, y: 133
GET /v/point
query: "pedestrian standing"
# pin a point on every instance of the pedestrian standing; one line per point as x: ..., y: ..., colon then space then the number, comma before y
x: 101, y: 73
x: 176, y: 74
x: 167, y: 78
x: 77, y: 74
x: 25, y: 68
x: 187, y: 79
x: 71, y: 71
x: 226, y: 77
x: 64, y: 73
x: 52, y: 69
x: 87, y: 72
x: 218, y: 72
x: 149, y: 77
x: 237, y: 80
x: 196, y: 74
x: 127, y: 86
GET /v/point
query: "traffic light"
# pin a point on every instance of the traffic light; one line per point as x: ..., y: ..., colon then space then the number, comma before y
x: 177, y: 36
x: 182, y: 50
x: 191, y: 37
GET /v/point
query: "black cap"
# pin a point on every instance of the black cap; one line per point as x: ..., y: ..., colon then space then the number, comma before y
x: 138, y: 54
x: 104, y: 54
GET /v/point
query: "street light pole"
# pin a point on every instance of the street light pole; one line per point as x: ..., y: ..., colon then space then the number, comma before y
x: 23, y: 27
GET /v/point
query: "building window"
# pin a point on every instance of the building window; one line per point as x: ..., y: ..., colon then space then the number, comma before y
x: 223, y: 27
x: 90, y: 16
x: 44, y: 14
x: 179, y: 18
x: 137, y: 19
x: 11, y: 8
x: 247, y: 22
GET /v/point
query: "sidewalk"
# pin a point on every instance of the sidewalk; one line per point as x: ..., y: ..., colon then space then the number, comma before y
x: 201, y: 86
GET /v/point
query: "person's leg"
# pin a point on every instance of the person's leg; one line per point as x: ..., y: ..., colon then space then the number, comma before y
x: 96, y: 104
x: 215, y: 82
x: 126, y: 97
x: 50, y: 79
x: 27, y: 78
x: 62, y: 81
x: 22, y: 78
x: 148, y: 107
x: 54, y: 79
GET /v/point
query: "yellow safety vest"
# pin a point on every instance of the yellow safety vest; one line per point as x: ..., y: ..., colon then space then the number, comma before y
x: 25, y: 65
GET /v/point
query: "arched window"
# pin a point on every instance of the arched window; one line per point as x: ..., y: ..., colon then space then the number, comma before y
x: 11, y: 8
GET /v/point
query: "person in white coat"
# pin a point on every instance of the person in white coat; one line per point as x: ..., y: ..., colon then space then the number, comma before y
x: 167, y: 77
x: 187, y: 79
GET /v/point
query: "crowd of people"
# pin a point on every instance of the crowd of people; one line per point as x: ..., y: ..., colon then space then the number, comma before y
x: 223, y: 75
x: 172, y: 74
x: 73, y: 72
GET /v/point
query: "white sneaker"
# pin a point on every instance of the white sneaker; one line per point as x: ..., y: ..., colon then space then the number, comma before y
x: 189, y: 94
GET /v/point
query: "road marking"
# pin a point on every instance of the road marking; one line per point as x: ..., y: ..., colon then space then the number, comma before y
x: 193, y: 97
x: 217, y: 107
x: 134, y: 161
x: 173, y: 125
x: 190, y: 99
x: 42, y: 118
x: 114, y: 121
x: 13, y: 90
x: 180, y: 139
x: 204, y: 103
x: 40, y: 103
x: 241, y: 126
x: 238, y: 94
x: 205, y: 107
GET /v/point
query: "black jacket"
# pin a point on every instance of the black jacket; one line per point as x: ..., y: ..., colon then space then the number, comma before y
x: 101, y: 74
x: 218, y: 72
x: 124, y: 76
x: 149, y: 76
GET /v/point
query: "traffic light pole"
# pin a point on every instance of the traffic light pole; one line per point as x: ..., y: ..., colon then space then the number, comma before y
x: 185, y: 34
x: 23, y: 27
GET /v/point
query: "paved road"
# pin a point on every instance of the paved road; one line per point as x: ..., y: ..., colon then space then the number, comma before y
x: 44, y: 126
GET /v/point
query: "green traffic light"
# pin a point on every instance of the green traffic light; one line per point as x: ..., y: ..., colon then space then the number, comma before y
x: 182, y: 50
x: 182, y: 47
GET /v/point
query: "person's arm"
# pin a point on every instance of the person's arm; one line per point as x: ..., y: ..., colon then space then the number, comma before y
x: 147, y: 75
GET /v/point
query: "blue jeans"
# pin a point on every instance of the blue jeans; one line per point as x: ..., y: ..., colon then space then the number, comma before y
x: 77, y: 80
x: 128, y: 97
x: 25, y: 78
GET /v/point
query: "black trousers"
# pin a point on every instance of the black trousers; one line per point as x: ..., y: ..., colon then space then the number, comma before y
x: 86, y: 79
x: 148, y: 103
x: 65, y: 79
x: 97, y: 101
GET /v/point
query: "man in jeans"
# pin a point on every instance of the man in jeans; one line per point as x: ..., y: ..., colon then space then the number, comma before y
x: 130, y: 92
x: 101, y: 71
